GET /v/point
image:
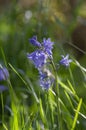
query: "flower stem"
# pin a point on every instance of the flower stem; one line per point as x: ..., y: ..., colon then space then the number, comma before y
x: 57, y: 97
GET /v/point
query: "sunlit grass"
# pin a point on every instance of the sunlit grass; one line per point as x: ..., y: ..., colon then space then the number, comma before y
x: 25, y: 105
x: 43, y: 113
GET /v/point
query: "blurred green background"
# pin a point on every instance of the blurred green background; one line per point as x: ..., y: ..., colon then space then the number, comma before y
x: 64, y: 21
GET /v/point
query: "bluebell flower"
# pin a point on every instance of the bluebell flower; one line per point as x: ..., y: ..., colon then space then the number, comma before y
x: 48, y: 46
x: 38, y: 57
x: 3, y: 88
x: 65, y: 61
x: 34, y: 41
x: 46, y: 79
x: 45, y: 84
x: 4, y: 74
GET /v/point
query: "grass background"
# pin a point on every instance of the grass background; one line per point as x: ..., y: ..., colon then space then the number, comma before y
x: 25, y: 106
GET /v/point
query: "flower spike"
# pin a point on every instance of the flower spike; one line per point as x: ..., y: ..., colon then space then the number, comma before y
x: 65, y: 61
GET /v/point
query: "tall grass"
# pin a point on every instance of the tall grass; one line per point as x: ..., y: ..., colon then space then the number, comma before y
x: 25, y: 105
x: 48, y: 109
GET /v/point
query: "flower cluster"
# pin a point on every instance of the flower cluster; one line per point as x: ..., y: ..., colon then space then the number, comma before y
x: 44, y: 51
x: 41, y: 56
x: 39, y: 59
x: 46, y: 78
x: 4, y: 75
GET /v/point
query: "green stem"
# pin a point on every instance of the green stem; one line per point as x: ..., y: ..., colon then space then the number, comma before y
x: 57, y: 97
x: 2, y: 107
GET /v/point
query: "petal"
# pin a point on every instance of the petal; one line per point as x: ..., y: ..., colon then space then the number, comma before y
x: 34, y: 41
x: 48, y: 46
x: 65, y: 61
x: 4, y: 74
x: 38, y: 57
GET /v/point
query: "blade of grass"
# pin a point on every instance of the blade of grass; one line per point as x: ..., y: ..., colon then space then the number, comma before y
x: 3, y: 56
x: 5, y: 127
x: 52, y: 105
x: 72, y: 77
x: 65, y: 87
x: 81, y: 67
x: 26, y: 84
x: 15, y: 119
x: 70, y: 85
x: 42, y: 114
x: 68, y: 97
x: 76, y: 114
x: 12, y: 93
x: 17, y: 73
x: 32, y: 88
x: 38, y: 125
x: 2, y: 103
x: 67, y: 117
x: 80, y: 114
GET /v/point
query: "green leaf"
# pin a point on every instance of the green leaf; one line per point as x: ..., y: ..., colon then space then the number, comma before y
x: 42, y: 114
x: 68, y: 97
x: 65, y: 87
x: 76, y: 114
